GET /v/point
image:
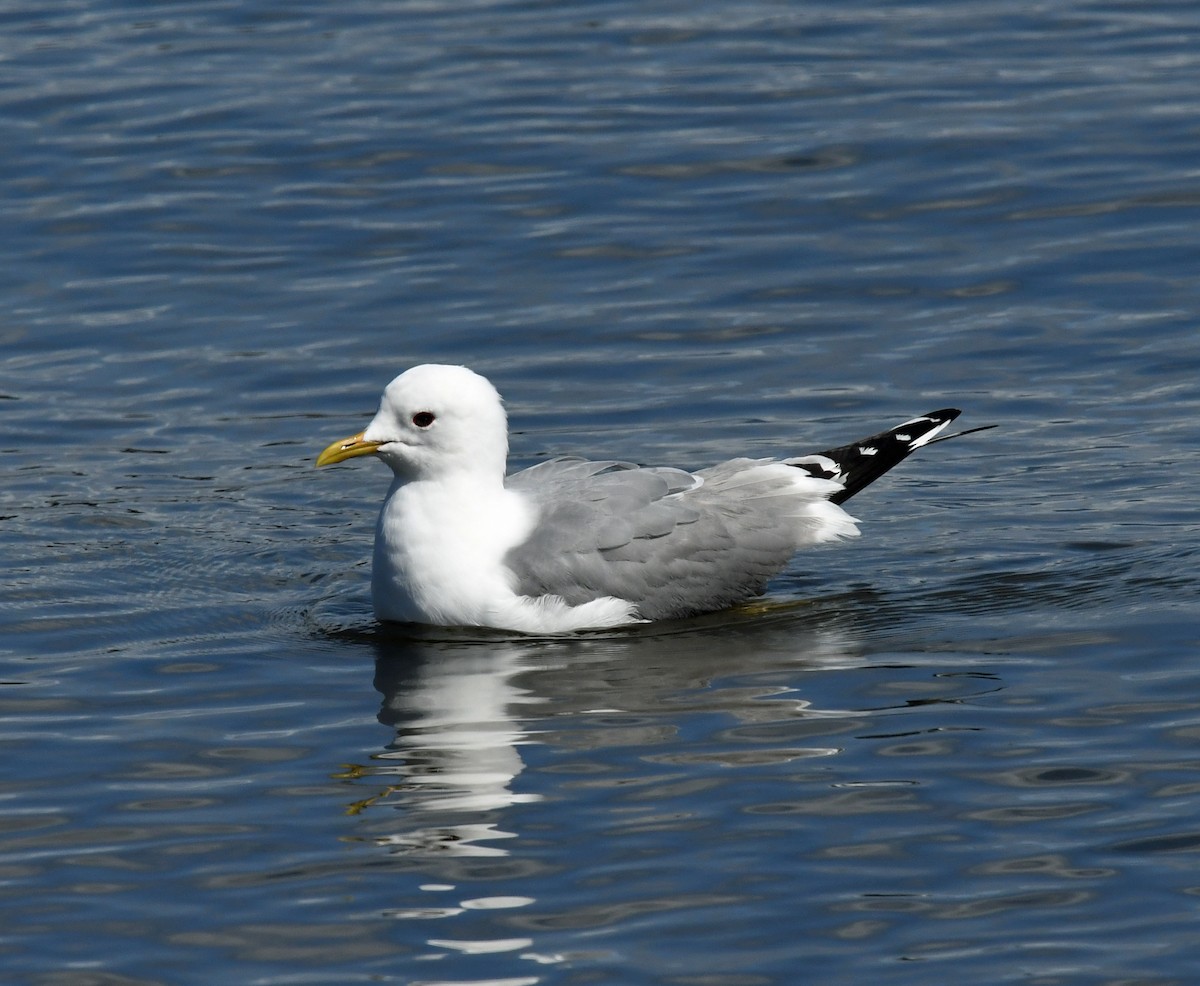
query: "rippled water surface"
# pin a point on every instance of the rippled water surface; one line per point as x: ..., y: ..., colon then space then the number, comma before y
x: 962, y: 748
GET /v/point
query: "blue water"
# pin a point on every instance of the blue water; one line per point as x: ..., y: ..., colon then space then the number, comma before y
x: 962, y: 748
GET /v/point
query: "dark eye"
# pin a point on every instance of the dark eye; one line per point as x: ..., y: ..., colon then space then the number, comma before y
x: 423, y: 419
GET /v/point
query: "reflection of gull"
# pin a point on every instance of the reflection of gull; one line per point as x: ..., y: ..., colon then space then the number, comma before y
x: 455, y: 746
x: 458, y: 802
x: 459, y: 715
x: 461, y: 729
x: 636, y: 733
x: 570, y: 544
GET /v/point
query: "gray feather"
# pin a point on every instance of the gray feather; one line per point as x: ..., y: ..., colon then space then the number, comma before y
x: 678, y: 542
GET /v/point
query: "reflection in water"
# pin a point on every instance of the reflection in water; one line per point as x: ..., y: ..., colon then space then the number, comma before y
x: 668, y: 736
x: 461, y: 717
x: 463, y: 709
x: 455, y: 750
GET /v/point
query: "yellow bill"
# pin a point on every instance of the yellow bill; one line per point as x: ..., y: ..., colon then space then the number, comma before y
x: 347, y: 448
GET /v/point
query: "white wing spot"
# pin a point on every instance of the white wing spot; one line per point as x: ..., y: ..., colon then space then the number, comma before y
x: 867, y: 450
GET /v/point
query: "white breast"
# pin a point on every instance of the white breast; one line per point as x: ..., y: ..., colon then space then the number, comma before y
x: 439, y: 550
x: 439, y: 559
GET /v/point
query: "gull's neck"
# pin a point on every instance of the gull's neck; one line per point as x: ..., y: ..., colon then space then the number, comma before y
x: 483, y: 472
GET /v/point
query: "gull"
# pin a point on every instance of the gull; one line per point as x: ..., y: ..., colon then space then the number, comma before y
x: 571, y: 544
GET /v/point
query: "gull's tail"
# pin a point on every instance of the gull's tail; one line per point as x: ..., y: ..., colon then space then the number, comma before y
x: 860, y: 463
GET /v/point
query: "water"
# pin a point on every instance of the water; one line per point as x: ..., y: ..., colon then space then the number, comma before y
x: 961, y: 748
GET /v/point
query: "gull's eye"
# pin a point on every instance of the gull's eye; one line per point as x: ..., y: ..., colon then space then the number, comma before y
x: 423, y: 419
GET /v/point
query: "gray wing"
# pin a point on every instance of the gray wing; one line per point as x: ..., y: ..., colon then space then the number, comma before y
x: 673, y: 542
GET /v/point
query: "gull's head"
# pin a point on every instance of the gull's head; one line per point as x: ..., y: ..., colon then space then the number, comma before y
x: 433, y: 420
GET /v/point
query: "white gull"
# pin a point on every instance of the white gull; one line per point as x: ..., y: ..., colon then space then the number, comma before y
x: 571, y: 544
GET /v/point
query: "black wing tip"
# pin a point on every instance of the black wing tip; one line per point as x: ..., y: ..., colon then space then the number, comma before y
x: 861, y: 463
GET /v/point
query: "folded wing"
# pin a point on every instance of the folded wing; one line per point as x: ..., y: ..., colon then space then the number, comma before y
x: 678, y: 542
